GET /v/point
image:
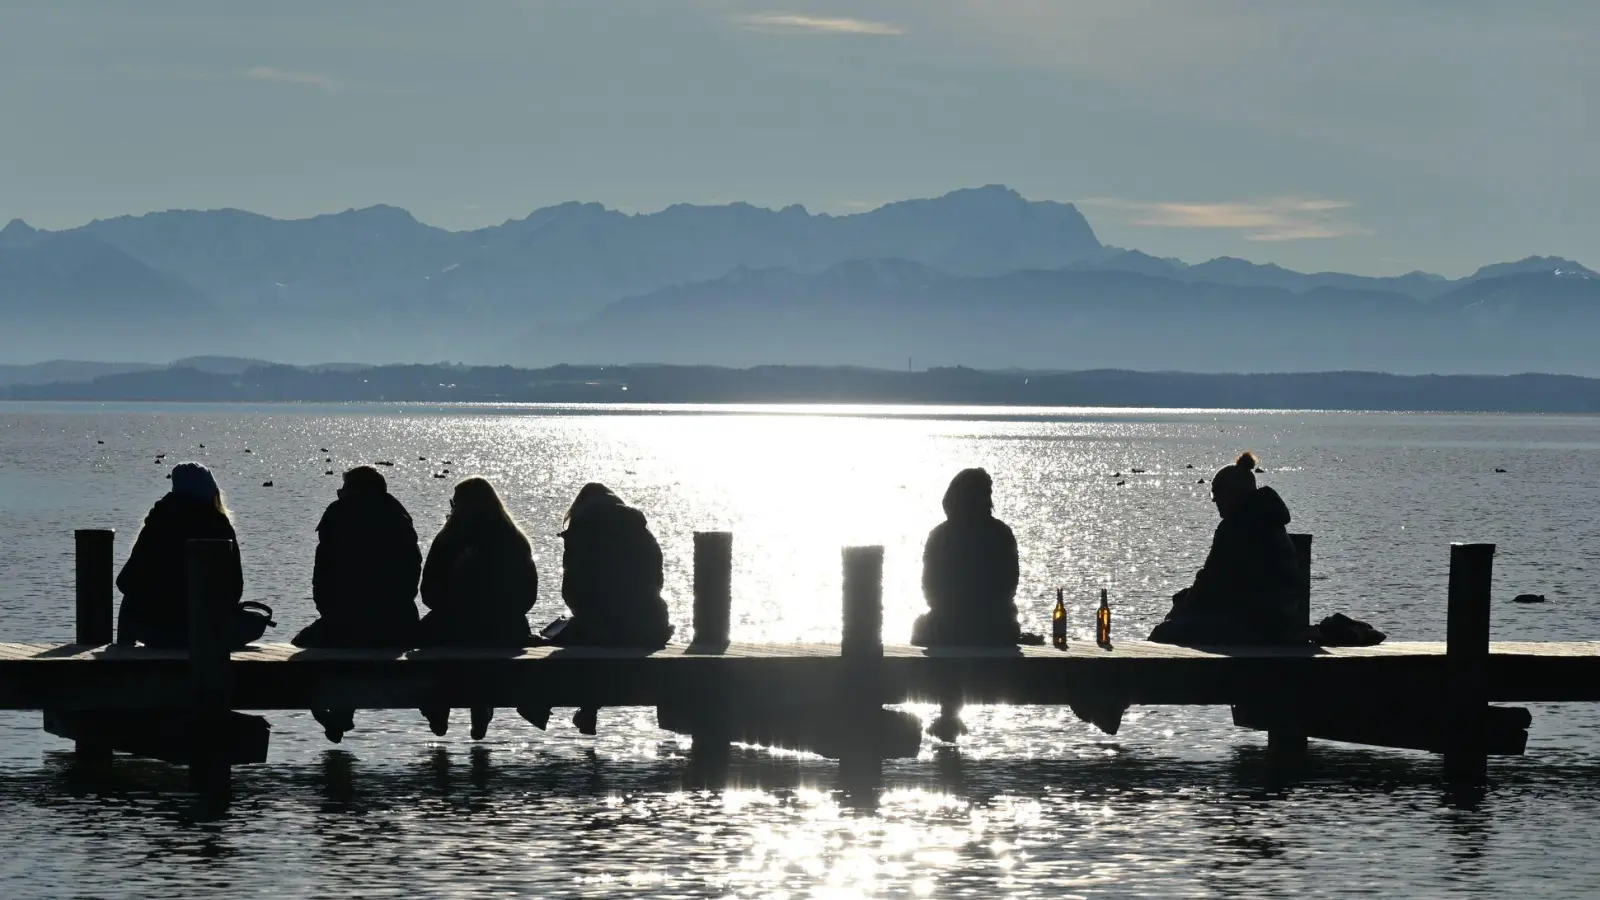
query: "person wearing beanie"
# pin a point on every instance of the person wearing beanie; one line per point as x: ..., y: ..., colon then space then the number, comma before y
x: 1247, y: 590
x: 154, y: 580
x: 364, y: 579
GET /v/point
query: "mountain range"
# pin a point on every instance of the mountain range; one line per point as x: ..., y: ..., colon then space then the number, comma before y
x: 978, y: 277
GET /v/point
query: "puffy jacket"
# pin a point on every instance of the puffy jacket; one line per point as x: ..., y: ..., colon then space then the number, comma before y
x: 155, y: 582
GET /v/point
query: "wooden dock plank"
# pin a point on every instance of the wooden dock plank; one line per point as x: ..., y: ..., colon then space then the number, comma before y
x: 34, y: 676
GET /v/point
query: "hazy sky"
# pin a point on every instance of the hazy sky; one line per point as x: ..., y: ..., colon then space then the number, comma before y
x: 1359, y: 135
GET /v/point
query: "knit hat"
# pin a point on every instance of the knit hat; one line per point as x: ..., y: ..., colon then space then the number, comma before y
x: 1240, y: 476
x: 970, y: 495
x: 194, y: 480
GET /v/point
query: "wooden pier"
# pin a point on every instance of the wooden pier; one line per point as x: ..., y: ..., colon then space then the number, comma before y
x: 1431, y: 696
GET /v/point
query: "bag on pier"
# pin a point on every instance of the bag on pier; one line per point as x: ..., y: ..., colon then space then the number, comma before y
x: 1339, y: 630
x: 251, y: 619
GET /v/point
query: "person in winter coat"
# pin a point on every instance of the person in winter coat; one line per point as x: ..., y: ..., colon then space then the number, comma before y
x: 478, y: 584
x: 969, y: 579
x: 364, y: 582
x: 154, y: 580
x: 969, y: 571
x: 611, y: 582
x: 1248, y: 590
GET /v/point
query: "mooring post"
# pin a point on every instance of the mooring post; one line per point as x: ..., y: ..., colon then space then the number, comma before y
x: 713, y: 605
x: 93, y: 551
x: 208, y: 563
x: 94, y: 585
x: 1467, y: 660
x: 713, y: 587
x: 1288, y: 740
x: 861, y: 649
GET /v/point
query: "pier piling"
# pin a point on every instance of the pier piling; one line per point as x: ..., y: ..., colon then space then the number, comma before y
x: 713, y: 606
x: 1467, y: 660
x: 861, y: 649
x: 93, y: 626
x: 210, y: 677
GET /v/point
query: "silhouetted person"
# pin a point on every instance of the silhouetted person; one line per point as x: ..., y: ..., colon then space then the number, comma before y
x: 478, y: 585
x: 969, y: 571
x: 969, y: 579
x: 1248, y: 590
x: 365, y: 578
x: 1246, y: 593
x: 611, y: 582
x: 154, y: 581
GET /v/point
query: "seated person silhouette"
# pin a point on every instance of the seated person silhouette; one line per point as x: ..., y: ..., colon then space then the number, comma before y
x: 364, y: 581
x: 478, y: 583
x: 1246, y: 593
x: 1248, y: 590
x: 969, y: 579
x: 611, y: 581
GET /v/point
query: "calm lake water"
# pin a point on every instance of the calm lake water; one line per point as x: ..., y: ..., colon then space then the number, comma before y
x: 1032, y: 803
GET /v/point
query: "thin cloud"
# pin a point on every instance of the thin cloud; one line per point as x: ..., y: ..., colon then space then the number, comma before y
x: 284, y: 76
x: 1275, y: 219
x: 794, y: 23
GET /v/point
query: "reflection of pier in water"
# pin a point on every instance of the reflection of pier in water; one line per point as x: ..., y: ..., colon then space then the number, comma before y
x: 828, y: 698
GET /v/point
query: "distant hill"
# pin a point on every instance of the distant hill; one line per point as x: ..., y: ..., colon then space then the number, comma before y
x: 65, y: 370
x: 810, y: 384
x: 883, y: 313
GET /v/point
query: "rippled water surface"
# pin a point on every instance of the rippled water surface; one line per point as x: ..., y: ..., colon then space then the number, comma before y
x: 1032, y: 803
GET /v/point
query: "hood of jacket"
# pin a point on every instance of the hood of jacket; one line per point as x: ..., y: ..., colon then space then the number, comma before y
x: 605, y: 511
x: 1264, y: 507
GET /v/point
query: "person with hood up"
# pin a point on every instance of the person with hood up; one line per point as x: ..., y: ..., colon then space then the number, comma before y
x: 478, y: 583
x: 969, y: 579
x: 154, y: 581
x: 969, y: 571
x: 364, y: 581
x: 1247, y: 591
x: 611, y: 582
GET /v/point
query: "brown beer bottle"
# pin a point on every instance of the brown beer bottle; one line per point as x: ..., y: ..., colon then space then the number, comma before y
x: 1058, y: 622
x: 1102, y: 622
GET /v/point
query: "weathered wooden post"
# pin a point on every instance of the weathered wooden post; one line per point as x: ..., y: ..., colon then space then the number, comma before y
x: 94, y: 585
x: 861, y: 649
x: 1288, y: 739
x: 713, y: 587
x: 1467, y: 661
x: 208, y: 563
x: 713, y: 605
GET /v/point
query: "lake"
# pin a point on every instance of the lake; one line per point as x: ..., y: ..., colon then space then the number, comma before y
x: 1031, y: 804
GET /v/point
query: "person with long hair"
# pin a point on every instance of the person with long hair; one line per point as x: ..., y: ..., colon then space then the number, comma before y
x: 154, y: 581
x: 364, y: 581
x: 478, y: 584
x: 611, y: 581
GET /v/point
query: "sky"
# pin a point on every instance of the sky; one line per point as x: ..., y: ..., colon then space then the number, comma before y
x: 1371, y: 136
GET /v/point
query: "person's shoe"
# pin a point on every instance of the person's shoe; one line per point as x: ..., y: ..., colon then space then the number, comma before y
x: 332, y: 728
x: 947, y: 729
x: 538, y: 718
x: 480, y: 723
x: 587, y: 720
x: 438, y: 720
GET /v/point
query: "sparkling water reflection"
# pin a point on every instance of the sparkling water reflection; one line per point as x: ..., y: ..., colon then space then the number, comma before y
x: 1032, y: 804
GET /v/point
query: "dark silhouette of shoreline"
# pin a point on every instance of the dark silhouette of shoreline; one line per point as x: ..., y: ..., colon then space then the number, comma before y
x: 647, y: 384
